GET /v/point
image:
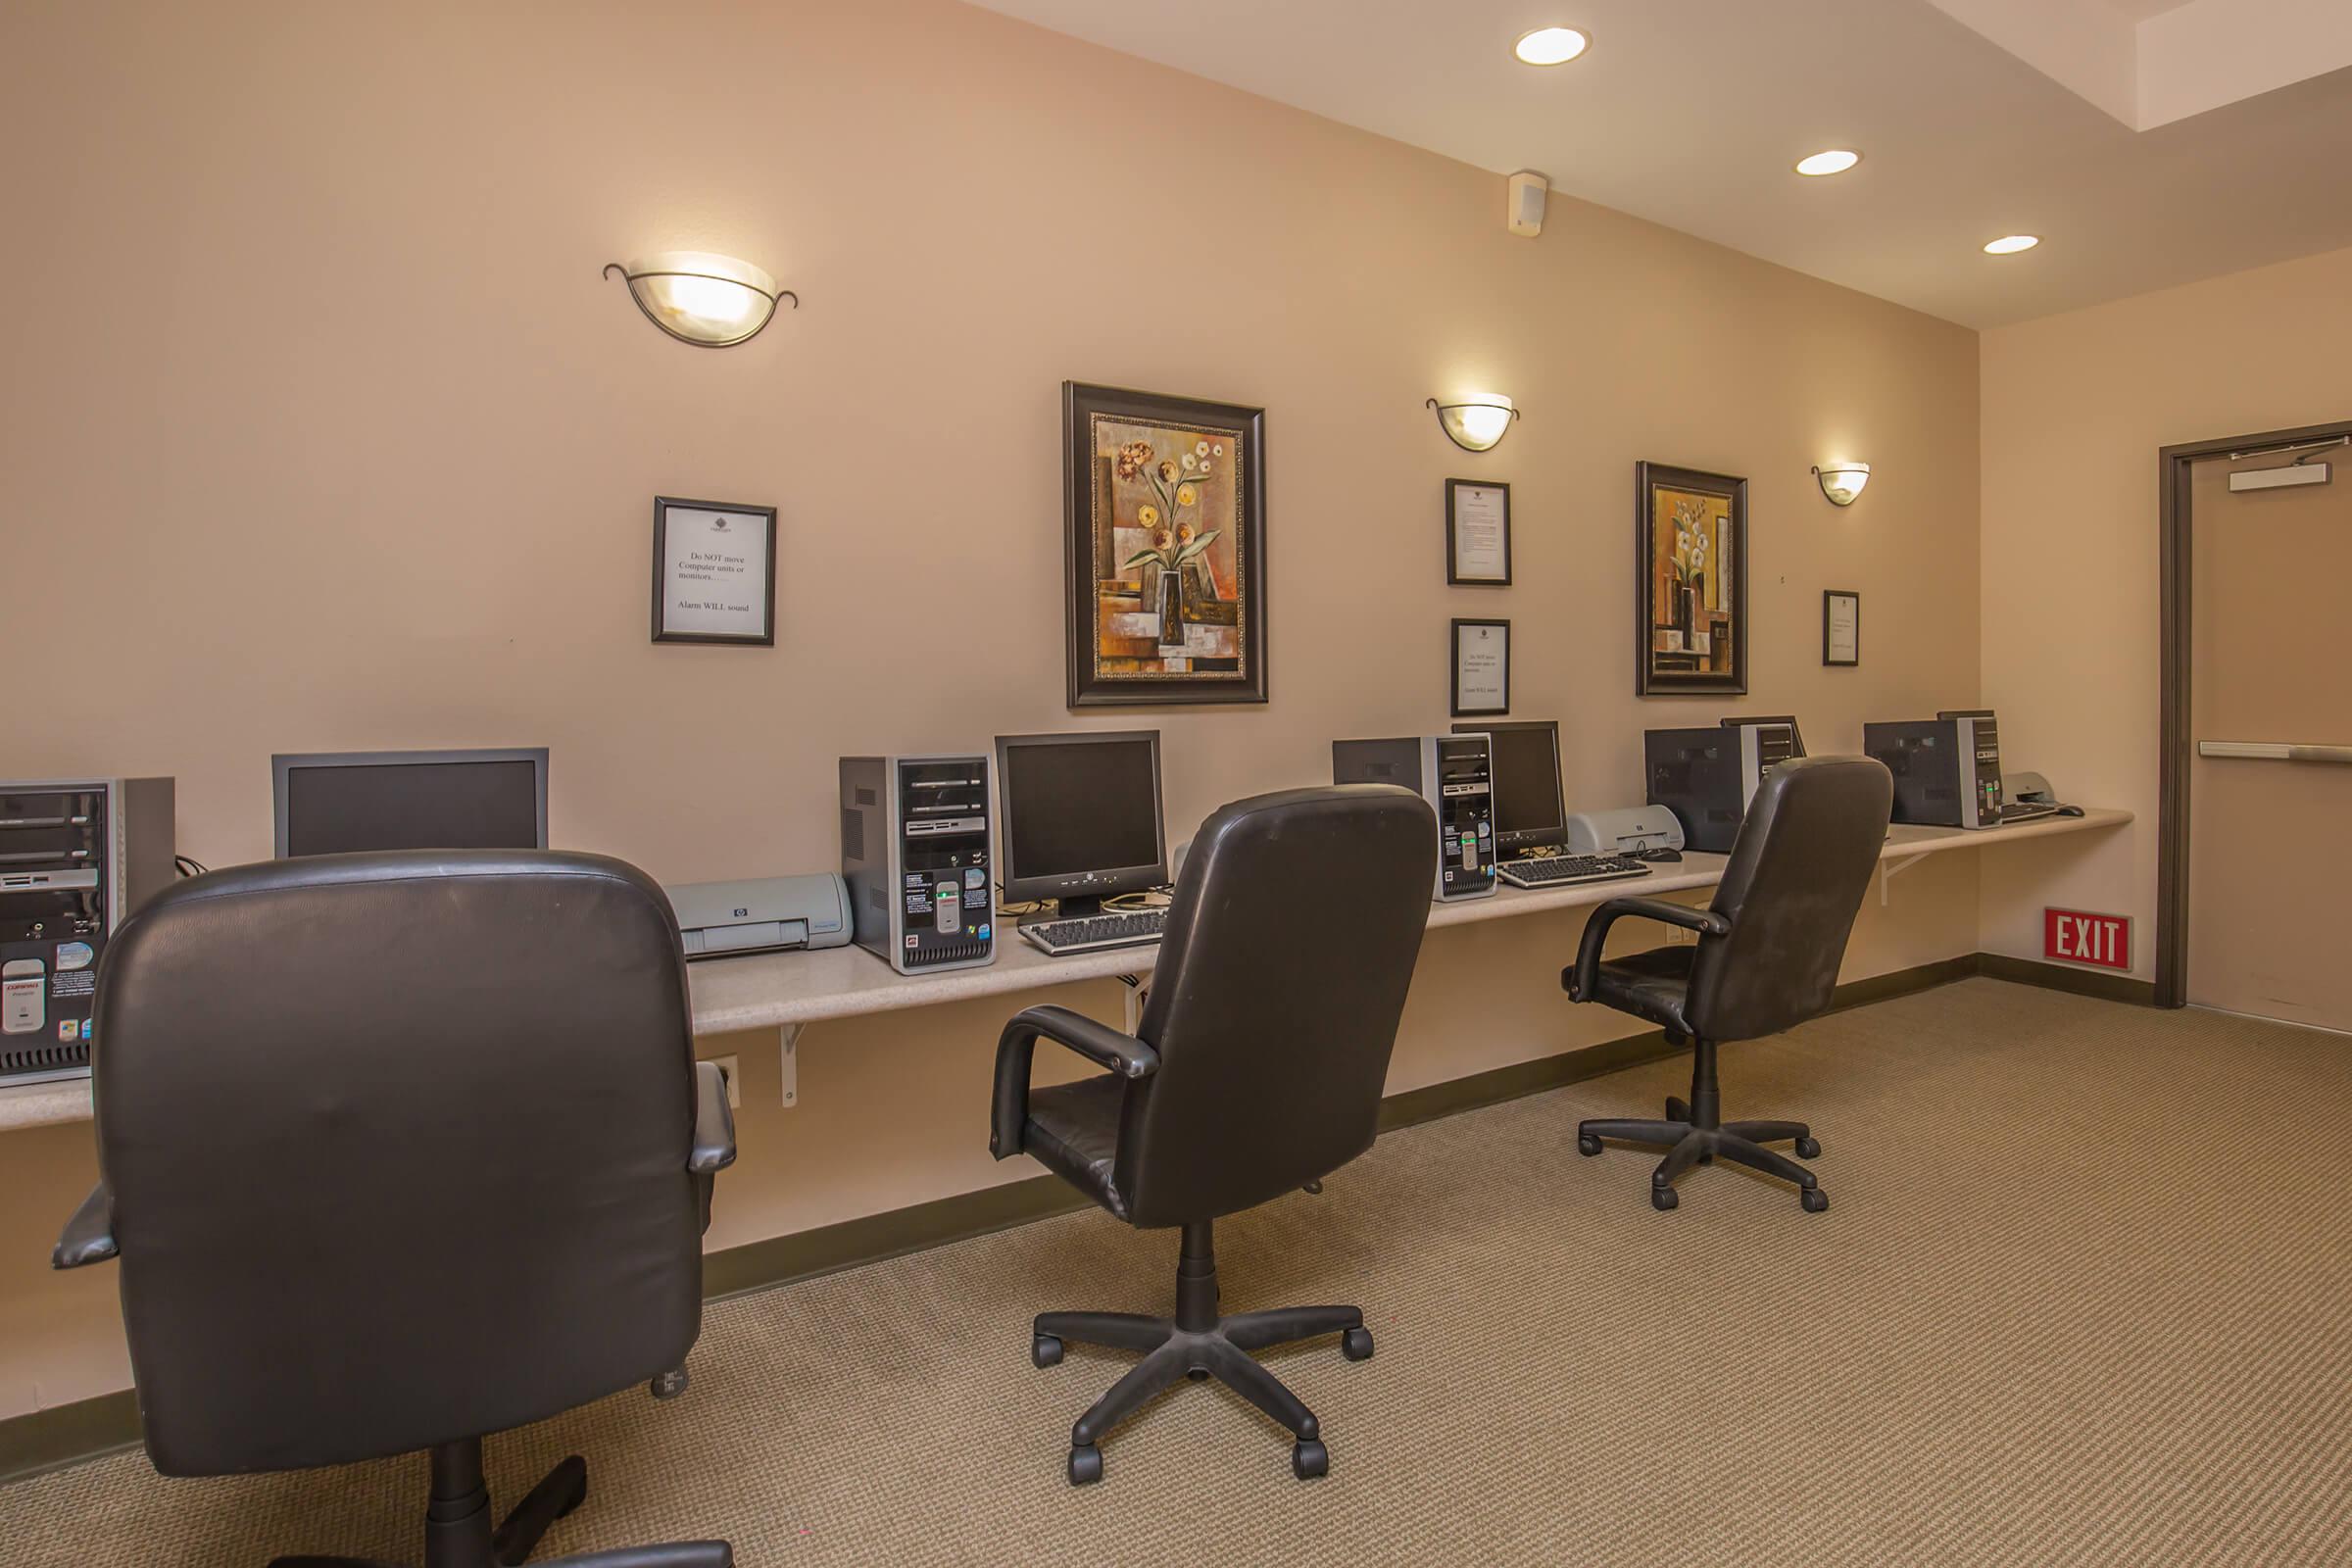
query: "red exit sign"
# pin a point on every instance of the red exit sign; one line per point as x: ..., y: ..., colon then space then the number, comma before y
x: 2072, y: 936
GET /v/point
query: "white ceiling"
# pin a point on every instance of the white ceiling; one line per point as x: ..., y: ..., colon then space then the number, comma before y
x: 1690, y: 113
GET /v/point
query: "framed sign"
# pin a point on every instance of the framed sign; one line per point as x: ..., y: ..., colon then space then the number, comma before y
x: 1840, y: 626
x: 1478, y: 533
x: 1163, y: 548
x: 715, y: 573
x: 1481, y: 668
x: 1690, y: 582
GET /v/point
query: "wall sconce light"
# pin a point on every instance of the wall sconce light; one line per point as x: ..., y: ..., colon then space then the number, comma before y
x: 1842, y: 483
x: 1475, y: 421
x: 713, y: 302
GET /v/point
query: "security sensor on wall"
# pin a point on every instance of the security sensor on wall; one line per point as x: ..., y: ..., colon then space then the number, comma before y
x: 1525, y: 210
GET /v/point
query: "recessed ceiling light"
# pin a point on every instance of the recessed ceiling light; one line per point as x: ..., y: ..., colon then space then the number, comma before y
x: 2011, y: 244
x: 1550, y: 46
x: 1836, y: 161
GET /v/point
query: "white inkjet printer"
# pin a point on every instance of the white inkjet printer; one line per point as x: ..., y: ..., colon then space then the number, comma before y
x: 1624, y: 831
x: 768, y: 914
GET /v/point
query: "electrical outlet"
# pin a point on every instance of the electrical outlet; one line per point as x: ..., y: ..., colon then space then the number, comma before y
x: 732, y: 1072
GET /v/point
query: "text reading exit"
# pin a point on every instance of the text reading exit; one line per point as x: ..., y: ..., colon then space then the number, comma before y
x: 2074, y: 936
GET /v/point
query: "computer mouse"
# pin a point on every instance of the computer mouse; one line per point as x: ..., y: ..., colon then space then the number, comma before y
x: 2070, y: 810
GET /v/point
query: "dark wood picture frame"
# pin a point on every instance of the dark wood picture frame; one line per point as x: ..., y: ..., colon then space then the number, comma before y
x: 1085, y: 569
x: 661, y: 506
x: 1826, y: 595
x: 1453, y: 668
x: 1453, y: 568
x: 1649, y: 679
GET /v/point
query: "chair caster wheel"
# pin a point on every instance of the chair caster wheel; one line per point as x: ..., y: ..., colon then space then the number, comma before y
x: 1357, y: 1345
x: 1199, y: 1374
x: 1662, y: 1197
x: 1814, y: 1199
x: 1086, y: 1465
x: 579, y: 1486
x: 1808, y: 1148
x: 1310, y: 1459
x: 1586, y: 1144
x: 1044, y: 1350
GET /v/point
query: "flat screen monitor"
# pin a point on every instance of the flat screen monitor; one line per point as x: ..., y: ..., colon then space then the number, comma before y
x: 1530, y: 810
x: 1080, y: 817
x: 335, y: 802
x: 1796, y: 737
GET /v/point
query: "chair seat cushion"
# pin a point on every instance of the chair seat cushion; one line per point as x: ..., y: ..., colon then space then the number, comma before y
x: 1073, y: 1130
x: 1653, y: 985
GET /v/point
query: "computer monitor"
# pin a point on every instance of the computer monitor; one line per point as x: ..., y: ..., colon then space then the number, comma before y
x: 1080, y: 817
x: 333, y: 803
x: 1530, y: 812
x: 1796, y: 737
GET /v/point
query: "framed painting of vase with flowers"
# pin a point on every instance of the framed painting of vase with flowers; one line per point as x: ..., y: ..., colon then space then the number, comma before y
x: 1164, y: 504
x: 1690, y: 582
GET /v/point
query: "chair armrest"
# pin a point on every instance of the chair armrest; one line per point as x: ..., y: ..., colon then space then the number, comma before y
x: 1098, y: 1043
x: 1584, y: 981
x: 89, y: 1235
x: 714, y: 1121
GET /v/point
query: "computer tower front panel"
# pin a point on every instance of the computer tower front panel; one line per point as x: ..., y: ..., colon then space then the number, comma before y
x: 1762, y: 748
x: 919, y: 850
x: 1978, y: 743
x: 1455, y: 775
x: 1462, y: 768
x: 76, y: 858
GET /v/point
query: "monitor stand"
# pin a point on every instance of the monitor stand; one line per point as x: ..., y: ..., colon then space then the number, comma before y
x: 1074, y: 907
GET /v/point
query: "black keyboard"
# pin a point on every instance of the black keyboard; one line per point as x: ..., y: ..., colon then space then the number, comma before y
x: 1089, y: 932
x: 1553, y: 870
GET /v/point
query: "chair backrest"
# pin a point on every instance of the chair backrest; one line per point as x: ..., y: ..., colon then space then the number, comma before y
x: 397, y: 1148
x: 1795, y: 881
x: 1274, y: 1004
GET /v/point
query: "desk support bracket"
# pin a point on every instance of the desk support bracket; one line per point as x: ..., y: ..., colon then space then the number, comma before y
x: 1889, y: 871
x: 788, y: 1038
x: 1134, y: 1000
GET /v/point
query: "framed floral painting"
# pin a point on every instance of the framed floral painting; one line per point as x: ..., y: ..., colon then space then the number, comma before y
x: 1690, y: 582
x: 1165, y: 548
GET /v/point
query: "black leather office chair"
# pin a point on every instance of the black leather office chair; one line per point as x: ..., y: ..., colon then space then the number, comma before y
x: 1766, y: 960
x: 397, y: 1151
x: 1258, y: 1068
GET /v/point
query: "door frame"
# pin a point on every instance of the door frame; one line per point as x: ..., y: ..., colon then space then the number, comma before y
x: 2178, y: 746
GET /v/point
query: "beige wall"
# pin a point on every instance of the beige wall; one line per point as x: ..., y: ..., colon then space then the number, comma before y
x: 2076, y: 407
x: 322, y: 431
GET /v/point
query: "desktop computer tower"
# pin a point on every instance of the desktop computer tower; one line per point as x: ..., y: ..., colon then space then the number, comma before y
x: 917, y: 849
x: 78, y: 857
x: 1707, y: 777
x: 1947, y: 770
x: 1455, y: 775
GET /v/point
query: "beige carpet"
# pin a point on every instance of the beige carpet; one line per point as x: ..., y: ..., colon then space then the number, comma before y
x: 2082, y: 1295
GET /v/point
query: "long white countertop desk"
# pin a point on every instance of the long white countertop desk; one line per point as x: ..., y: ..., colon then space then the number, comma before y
x: 786, y: 990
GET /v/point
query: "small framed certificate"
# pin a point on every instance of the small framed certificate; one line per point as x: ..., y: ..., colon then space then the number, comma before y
x: 715, y: 573
x: 1840, y: 626
x: 1481, y: 668
x: 1478, y: 533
